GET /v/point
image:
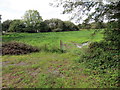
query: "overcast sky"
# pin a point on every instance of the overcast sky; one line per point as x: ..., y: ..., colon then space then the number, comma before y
x: 15, y: 9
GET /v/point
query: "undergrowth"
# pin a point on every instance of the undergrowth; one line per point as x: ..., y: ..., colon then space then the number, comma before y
x: 104, y: 59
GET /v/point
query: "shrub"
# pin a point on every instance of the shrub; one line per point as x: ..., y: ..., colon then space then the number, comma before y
x: 100, y: 55
x: 15, y: 48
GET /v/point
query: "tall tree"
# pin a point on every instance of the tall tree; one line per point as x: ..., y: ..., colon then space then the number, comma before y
x: 69, y: 26
x: 32, y: 20
x: 56, y: 25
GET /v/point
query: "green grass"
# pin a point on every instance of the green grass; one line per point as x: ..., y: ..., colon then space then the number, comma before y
x: 45, y: 70
x: 53, y: 38
x: 48, y: 69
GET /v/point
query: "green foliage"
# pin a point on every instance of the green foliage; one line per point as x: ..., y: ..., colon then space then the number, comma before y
x: 84, y: 26
x: 6, y: 25
x: 44, y: 27
x: 104, y: 60
x: 100, y: 56
x: 32, y: 20
x: 69, y: 26
x: 17, y: 26
x: 93, y: 25
x: 55, y: 25
x: 112, y: 34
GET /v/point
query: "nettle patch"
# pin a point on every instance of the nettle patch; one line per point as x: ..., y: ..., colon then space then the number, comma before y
x: 17, y: 48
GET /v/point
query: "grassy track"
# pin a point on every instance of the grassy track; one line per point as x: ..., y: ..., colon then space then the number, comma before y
x: 48, y: 69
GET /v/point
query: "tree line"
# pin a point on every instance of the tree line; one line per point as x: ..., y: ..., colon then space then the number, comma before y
x: 32, y: 22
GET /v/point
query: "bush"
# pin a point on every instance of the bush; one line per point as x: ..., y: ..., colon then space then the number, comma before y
x: 100, y: 55
x: 15, y: 48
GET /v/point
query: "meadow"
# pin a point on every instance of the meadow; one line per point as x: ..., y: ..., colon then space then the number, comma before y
x: 50, y: 68
x: 52, y: 39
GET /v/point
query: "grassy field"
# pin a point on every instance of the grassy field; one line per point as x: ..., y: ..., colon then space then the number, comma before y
x: 53, y: 38
x: 50, y: 69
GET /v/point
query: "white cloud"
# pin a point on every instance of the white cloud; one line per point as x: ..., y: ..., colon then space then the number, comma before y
x: 15, y: 9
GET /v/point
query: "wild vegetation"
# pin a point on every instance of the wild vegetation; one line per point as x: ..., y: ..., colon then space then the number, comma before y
x: 50, y: 67
x: 62, y: 63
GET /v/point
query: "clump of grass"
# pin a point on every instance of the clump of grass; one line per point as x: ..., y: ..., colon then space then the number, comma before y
x: 17, y: 48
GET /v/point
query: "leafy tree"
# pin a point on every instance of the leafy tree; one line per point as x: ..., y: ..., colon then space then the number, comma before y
x: 93, y: 10
x: 69, y: 26
x: 6, y: 25
x: 84, y: 26
x: 55, y: 25
x: 32, y: 20
x: 44, y: 27
x: 17, y: 26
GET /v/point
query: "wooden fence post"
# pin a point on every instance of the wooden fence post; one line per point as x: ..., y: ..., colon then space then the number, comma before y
x: 45, y: 47
x: 61, y: 45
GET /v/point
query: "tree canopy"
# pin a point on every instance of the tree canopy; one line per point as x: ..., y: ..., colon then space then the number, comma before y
x: 32, y: 20
x: 55, y: 25
x: 6, y: 25
x: 93, y: 10
x: 69, y: 26
x: 17, y: 26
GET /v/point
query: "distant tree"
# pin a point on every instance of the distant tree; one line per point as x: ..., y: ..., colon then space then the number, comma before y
x: 97, y: 25
x: 55, y: 25
x: 84, y: 26
x: 44, y: 27
x: 69, y: 26
x: 6, y: 25
x: 32, y: 20
x: 17, y: 26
